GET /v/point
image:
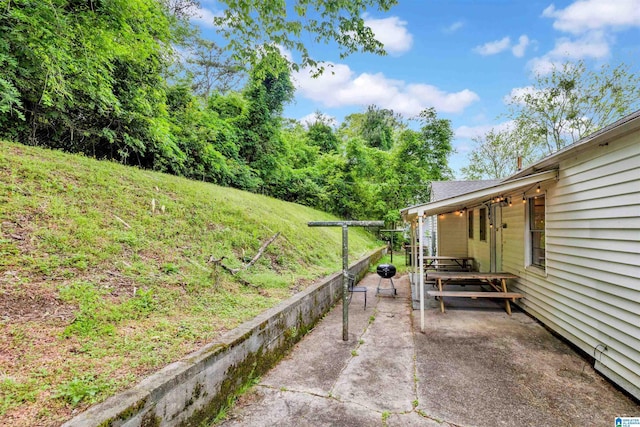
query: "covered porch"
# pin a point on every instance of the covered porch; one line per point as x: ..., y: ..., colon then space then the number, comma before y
x: 456, y: 218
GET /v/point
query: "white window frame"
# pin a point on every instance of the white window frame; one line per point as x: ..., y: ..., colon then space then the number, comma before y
x: 528, y: 250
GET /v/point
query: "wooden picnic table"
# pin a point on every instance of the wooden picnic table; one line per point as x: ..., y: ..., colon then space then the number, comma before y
x: 446, y: 263
x: 496, y: 281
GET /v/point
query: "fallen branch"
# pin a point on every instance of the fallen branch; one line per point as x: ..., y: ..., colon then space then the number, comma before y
x: 234, y: 271
x: 121, y: 220
x: 261, y: 250
x: 218, y: 262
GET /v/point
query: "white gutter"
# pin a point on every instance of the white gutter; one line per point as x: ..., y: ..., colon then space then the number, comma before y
x: 477, y: 197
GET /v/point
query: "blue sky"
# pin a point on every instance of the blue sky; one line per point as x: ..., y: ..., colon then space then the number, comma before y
x: 463, y: 57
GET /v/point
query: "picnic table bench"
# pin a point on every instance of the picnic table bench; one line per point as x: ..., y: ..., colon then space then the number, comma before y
x: 448, y: 263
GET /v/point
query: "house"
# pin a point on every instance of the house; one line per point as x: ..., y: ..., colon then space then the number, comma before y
x: 447, y: 243
x: 569, y: 228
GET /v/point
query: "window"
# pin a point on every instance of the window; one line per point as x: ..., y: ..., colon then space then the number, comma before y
x: 536, y: 231
x: 483, y: 224
x: 470, y: 220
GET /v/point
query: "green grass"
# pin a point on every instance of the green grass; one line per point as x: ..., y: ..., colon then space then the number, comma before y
x: 105, y: 274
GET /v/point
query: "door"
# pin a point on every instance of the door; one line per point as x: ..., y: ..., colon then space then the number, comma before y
x: 495, y: 238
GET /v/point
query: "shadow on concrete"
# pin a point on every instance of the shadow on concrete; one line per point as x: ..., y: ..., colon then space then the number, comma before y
x: 472, y: 366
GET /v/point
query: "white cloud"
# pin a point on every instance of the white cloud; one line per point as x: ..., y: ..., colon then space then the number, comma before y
x: 591, y: 45
x: 454, y: 27
x: 342, y: 87
x: 204, y: 16
x: 493, y: 47
x: 544, y: 65
x: 519, y: 49
x: 519, y: 93
x: 311, y: 118
x: 392, y: 32
x: 286, y: 53
x: 497, y: 46
x: 588, y: 15
x: 469, y: 132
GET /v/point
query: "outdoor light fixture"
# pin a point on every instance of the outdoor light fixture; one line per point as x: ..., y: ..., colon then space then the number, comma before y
x: 538, y: 189
x: 524, y: 200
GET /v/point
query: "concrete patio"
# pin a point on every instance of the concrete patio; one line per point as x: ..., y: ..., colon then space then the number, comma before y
x: 472, y: 366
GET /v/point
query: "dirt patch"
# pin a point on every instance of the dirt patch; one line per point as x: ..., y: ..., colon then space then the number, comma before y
x: 26, y: 302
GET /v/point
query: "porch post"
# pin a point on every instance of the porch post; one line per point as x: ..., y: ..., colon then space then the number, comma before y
x: 421, y: 269
x: 414, y: 254
x: 412, y: 246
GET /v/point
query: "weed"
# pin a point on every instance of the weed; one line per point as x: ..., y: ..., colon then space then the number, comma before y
x: 354, y: 353
x: 13, y: 393
x: 385, y: 417
x: 372, y: 319
x: 170, y: 268
x: 223, y: 413
x: 18, y: 335
x: 97, y: 317
x: 86, y: 387
x: 415, y: 403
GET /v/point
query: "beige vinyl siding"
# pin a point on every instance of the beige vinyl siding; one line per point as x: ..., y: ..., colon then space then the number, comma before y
x: 452, y: 235
x: 479, y: 249
x: 513, y: 237
x: 590, y: 293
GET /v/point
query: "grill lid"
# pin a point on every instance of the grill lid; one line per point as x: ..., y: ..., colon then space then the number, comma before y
x: 386, y: 271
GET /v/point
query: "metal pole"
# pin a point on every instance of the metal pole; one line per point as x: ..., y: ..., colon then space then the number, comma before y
x: 345, y: 262
x: 391, y: 248
x: 345, y: 283
x: 421, y: 272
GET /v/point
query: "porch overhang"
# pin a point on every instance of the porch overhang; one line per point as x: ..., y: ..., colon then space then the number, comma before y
x: 469, y: 200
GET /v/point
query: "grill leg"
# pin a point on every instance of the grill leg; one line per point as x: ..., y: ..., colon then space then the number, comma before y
x: 392, y: 288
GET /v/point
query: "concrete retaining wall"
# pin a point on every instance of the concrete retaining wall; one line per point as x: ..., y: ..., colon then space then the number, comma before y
x: 196, y: 388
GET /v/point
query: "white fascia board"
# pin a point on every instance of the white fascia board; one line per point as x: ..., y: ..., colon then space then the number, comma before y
x: 475, y: 198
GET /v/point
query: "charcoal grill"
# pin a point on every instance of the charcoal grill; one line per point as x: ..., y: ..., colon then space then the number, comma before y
x: 386, y: 271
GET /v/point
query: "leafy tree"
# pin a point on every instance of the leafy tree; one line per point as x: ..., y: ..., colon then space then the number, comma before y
x: 379, y: 126
x: 181, y: 8
x: 419, y: 157
x: 572, y: 102
x: 495, y: 155
x: 210, y: 69
x: 254, y: 27
x: 436, y: 135
x: 268, y: 90
x: 320, y: 134
x: 300, y: 151
x: 89, y: 77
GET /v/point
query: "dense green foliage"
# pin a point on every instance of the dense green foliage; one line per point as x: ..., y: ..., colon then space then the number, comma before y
x: 102, y: 78
x: 267, y: 24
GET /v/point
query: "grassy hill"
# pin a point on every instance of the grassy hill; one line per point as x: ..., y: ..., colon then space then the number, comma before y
x: 105, y: 274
